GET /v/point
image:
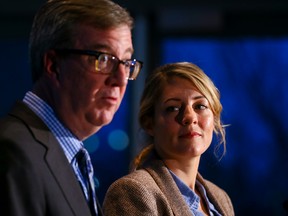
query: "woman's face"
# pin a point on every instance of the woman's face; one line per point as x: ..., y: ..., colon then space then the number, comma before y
x: 183, y: 123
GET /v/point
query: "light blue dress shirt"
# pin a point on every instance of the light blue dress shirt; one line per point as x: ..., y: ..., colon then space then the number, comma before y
x: 69, y: 143
x: 192, y: 199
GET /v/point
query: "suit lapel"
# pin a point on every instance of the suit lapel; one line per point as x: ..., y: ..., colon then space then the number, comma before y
x: 66, y: 179
x: 55, y: 159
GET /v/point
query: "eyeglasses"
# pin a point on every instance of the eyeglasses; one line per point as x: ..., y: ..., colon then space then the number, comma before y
x: 107, y: 64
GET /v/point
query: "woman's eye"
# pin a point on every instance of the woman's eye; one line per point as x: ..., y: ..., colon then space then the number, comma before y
x: 201, y: 107
x: 172, y: 109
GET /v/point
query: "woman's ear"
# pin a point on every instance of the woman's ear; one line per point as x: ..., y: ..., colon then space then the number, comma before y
x: 149, y: 127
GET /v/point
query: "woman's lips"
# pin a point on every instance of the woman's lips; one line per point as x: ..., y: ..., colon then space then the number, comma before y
x: 190, y: 135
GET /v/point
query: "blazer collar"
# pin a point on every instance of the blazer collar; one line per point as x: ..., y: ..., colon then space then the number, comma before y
x: 55, y: 158
x: 160, y: 173
x: 164, y: 180
x: 212, y: 194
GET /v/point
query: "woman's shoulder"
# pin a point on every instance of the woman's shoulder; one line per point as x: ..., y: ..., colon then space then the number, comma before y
x: 139, y: 183
x: 136, y: 177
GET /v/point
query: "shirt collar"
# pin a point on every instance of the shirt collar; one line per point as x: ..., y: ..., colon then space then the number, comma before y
x: 69, y: 143
x: 192, y: 199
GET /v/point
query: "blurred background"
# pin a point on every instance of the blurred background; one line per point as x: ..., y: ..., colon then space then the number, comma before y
x: 242, y: 45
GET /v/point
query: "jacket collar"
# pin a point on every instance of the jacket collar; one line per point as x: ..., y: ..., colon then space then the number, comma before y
x: 160, y: 173
x: 165, y: 182
x: 54, y: 158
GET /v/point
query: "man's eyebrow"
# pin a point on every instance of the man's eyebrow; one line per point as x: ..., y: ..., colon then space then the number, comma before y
x: 130, y: 50
x: 108, y: 48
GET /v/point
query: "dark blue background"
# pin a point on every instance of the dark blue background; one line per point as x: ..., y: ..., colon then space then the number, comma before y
x: 250, y: 72
x: 252, y: 76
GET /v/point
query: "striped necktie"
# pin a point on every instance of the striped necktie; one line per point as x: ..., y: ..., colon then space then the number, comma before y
x: 86, y: 169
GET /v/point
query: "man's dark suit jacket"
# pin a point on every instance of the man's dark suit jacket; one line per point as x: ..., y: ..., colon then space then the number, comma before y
x: 36, y: 178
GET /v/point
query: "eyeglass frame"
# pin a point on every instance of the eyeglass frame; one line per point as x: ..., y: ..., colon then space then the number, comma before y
x: 97, y: 54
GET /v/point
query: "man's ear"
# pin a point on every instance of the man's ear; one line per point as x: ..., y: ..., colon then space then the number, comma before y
x: 50, y: 65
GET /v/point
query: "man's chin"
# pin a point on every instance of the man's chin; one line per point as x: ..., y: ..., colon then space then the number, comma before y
x: 105, y: 120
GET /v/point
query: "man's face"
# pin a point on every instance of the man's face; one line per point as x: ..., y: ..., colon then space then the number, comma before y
x: 87, y: 99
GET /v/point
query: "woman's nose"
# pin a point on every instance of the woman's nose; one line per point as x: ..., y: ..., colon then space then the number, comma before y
x: 189, y: 116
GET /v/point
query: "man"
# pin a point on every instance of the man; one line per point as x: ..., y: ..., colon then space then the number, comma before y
x: 80, y: 53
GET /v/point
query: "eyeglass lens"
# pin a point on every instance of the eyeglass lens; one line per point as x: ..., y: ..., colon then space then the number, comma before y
x: 107, y: 63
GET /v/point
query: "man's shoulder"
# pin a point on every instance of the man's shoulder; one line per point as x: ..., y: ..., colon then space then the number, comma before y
x: 18, y: 131
x: 19, y: 121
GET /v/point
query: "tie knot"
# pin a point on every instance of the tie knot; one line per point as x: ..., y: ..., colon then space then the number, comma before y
x: 84, y: 161
x: 81, y: 154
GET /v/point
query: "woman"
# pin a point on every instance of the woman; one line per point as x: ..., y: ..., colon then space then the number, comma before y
x: 179, y: 110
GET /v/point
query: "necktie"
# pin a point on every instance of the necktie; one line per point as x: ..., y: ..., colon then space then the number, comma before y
x: 86, y: 169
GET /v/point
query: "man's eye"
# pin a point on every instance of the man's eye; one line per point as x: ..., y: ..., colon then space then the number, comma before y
x: 91, y: 59
x: 127, y: 63
x: 103, y: 58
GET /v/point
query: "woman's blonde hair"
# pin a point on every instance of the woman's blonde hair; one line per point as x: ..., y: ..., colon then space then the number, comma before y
x: 153, y: 89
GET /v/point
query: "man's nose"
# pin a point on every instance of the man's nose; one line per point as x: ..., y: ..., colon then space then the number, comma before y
x: 119, y: 77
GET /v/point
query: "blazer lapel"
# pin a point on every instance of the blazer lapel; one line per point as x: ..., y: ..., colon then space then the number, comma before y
x: 164, y: 180
x: 55, y: 159
x: 212, y: 194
